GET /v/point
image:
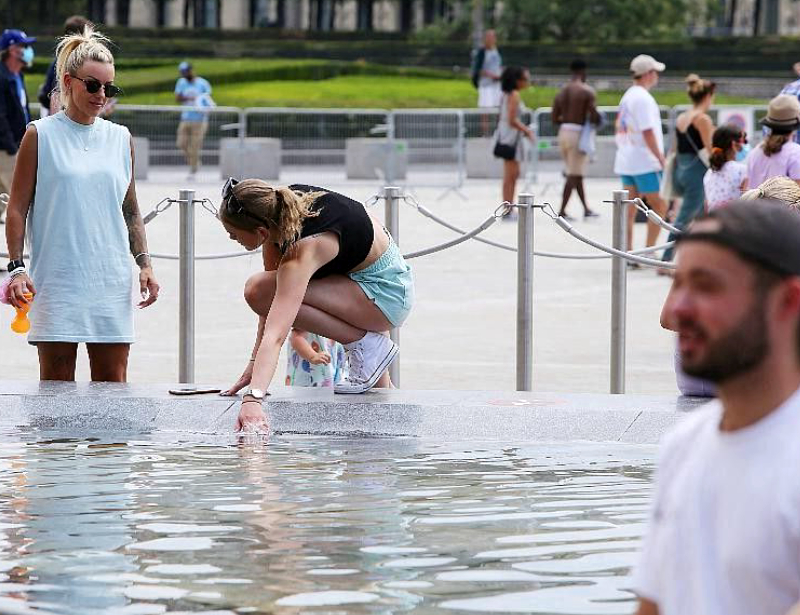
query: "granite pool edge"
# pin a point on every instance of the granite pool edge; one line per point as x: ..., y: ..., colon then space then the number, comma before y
x: 445, y: 415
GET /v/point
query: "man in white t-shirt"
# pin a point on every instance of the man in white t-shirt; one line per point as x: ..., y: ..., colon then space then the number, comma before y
x: 724, y: 532
x: 640, y: 143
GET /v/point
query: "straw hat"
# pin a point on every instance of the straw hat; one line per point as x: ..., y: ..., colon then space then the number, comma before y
x: 783, y: 113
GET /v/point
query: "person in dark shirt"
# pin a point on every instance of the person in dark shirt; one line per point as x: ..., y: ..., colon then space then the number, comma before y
x: 16, y: 53
x: 573, y: 106
x: 330, y: 268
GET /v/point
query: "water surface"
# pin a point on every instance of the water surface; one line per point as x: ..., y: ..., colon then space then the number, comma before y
x: 149, y: 524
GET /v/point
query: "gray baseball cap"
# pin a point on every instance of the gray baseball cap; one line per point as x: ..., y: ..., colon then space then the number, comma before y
x: 766, y: 232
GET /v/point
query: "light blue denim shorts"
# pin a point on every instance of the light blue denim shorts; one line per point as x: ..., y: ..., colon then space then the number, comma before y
x: 389, y: 283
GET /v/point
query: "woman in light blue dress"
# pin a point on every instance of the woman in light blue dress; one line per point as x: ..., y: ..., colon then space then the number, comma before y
x: 73, y: 191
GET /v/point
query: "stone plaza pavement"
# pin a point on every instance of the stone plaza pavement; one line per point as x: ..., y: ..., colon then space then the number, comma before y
x: 461, y: 334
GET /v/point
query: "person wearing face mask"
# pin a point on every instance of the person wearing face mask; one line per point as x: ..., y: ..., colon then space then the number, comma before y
x: 16, y: 53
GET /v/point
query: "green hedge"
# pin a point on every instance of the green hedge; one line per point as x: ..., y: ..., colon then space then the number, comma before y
x: 717, y: 56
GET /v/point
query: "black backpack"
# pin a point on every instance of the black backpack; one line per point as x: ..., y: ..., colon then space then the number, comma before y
x: 477, y: 65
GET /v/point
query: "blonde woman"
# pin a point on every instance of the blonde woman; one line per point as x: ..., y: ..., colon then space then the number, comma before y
x: 330, y: 268
x: 73, y: 191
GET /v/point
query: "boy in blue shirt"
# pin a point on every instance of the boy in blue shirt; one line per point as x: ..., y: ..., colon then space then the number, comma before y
x: 194, y: 93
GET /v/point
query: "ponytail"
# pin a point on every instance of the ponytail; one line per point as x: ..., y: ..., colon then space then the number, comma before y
x: 775, y: 142
x: 281, y: 208
x: 718, y: 158
x: 74, y: 50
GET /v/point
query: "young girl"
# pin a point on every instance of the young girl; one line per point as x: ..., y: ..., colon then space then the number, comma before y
x: 314, y: 361
x: 725, y: 179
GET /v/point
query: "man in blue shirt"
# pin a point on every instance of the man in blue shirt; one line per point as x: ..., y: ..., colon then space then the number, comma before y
x: 16, y: 53
x: 194, y: 93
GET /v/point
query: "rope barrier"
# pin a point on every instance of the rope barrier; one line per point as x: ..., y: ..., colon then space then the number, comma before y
x: 465, y: 237
x: 429, y: 214
x: 653, y: 216
x: 649, y: 262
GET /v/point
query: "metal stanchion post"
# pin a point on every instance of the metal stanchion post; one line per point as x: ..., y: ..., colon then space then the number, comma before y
x: 619, y: 274
x: 525, y: 293
x: 186, y: 316
x: 390, y: 155
x: 391, y: 196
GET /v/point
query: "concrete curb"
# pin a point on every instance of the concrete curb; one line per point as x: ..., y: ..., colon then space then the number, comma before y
x: 462, y: 415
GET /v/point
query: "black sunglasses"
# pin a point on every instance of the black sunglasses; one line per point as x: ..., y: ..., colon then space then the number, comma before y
x: 93, y: 87
x: 232, y: 204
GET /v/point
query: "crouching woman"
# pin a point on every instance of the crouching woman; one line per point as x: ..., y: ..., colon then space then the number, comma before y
x: 329, y: 268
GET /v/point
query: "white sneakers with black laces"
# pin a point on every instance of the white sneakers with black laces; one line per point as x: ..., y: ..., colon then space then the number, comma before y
x: 368, y: 358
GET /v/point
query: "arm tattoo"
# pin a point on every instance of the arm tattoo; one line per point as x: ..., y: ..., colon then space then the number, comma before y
x: 136, y: 235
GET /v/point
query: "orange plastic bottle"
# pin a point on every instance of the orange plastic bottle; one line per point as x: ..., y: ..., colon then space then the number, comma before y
x: 21, y: 324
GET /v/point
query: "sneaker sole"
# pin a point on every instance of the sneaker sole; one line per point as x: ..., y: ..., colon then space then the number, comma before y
x: 366, y: 386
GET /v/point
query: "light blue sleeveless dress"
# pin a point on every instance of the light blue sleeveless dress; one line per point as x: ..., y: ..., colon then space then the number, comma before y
x: 81, y: 264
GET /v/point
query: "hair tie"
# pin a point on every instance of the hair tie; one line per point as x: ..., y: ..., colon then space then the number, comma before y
x: 716, y: 150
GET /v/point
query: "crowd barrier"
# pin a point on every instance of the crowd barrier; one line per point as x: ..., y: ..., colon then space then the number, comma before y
x: 414, y: 147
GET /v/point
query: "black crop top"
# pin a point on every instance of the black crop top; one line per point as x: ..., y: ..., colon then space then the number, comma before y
x: 686, y: 139
x: 345, y: 217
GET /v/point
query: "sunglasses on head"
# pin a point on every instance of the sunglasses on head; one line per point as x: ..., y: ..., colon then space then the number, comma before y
x: 232, y: 204
x: 93, y: 87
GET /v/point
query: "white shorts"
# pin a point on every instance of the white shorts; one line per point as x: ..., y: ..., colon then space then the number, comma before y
x: 490, y: 95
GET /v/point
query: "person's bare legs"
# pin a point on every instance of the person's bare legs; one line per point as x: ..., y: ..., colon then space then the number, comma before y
x: 57, y: 360
x: 569, y: 185
x: 632, y: 194
x: 581, y: 193
x: 108, y: 362
x: 334, y: 307
x: 510, y: 177
x: 657, y: 204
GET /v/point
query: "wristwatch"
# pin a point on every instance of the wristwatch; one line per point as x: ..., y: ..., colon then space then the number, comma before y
x: 256, y: 394
x: 15, y: 264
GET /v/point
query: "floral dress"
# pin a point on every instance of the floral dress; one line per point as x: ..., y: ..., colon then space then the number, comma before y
x: 301, y: 373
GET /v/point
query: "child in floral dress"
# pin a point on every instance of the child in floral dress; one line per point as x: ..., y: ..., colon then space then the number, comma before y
x: 314, y: 361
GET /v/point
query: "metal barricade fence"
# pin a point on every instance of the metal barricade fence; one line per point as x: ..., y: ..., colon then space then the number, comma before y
x: 313, y: 137
x: 159, y: 125
x: 434, y: 141
x: 747, y: 117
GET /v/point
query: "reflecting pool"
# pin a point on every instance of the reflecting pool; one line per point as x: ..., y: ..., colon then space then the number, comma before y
x: 163, y: 523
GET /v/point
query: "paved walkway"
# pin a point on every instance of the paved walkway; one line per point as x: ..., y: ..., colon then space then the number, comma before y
x: 461, y: 333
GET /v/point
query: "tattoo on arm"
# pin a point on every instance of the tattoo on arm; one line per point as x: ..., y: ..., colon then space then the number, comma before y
x: 136, y: 235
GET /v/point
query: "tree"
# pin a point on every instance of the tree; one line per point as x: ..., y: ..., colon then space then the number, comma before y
x: 600, y: 20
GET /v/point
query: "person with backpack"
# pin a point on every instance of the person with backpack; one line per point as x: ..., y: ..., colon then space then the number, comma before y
x: 487, y: 68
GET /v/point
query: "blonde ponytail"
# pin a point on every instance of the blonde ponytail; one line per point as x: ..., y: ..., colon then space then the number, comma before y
x: 74, y: 50
x: 280, y: 208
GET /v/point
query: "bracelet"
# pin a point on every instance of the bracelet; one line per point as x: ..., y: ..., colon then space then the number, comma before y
x: 138, y: 256
x: 17, y: 272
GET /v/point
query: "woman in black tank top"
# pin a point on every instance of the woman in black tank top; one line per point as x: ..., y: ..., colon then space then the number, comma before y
x: 693, y: 132
x: 330, y: 268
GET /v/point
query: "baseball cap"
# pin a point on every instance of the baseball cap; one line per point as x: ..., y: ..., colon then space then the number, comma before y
x: 766, y: 232
x: 644, y: 63
x: 15, y: 37
x: 184, y: 66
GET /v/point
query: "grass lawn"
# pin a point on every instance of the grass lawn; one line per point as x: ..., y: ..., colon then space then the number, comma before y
x: 325, y: 83
x: 387, y: 92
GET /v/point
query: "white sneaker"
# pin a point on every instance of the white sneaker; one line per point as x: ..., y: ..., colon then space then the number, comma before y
x: 368, y: 358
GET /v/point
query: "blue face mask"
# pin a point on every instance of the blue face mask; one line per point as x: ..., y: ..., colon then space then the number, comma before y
x: 27, y: 56
x: 742, y: 154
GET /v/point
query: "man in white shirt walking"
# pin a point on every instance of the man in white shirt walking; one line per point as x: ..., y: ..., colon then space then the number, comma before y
x: 640, y: 143
x: 724, y: 534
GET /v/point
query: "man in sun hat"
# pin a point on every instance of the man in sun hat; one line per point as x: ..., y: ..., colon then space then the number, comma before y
x: 16, y: 53
x: 194, y: 93
x: 724, y: 531
x: 640, y: 142
x: 777, y: 154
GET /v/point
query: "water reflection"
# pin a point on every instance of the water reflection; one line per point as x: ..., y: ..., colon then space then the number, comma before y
x: 321, y: 525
